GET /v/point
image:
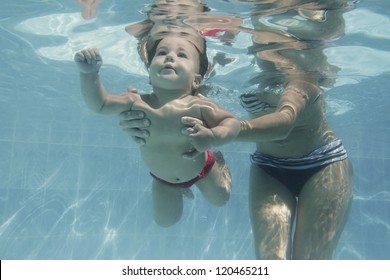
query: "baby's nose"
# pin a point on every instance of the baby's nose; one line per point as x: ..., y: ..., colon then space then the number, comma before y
x: 169, y: 58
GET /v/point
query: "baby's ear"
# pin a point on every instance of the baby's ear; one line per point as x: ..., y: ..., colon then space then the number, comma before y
x: 197, y: 81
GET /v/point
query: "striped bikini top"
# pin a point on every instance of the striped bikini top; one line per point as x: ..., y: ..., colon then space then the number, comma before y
x: 252, y: 104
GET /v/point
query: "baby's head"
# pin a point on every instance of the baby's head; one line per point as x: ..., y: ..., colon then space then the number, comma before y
x: 176, y: 64
x: 201, y: 50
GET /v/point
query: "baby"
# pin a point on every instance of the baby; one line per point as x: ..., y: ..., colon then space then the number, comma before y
x: 176, y: 70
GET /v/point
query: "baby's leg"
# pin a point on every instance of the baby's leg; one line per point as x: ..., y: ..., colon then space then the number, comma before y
x: 216, y: 186
x: 167, y: 204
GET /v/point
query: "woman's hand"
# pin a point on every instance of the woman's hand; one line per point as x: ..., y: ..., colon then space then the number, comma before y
x: 191, y: 126
x: 135, y: 123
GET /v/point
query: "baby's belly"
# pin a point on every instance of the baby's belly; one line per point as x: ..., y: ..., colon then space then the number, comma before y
x: 168, y: 164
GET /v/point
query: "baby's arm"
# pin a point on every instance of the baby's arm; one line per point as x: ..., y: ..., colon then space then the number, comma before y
x: 95, y: 95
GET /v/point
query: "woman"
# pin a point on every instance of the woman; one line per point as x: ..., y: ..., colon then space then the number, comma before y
x: 300, y: 171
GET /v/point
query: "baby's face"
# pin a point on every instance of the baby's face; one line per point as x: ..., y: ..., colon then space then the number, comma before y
x: 175, y: 65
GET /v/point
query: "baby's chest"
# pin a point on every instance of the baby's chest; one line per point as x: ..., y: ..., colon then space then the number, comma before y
x: 166, y: 122
x: 171, y: 113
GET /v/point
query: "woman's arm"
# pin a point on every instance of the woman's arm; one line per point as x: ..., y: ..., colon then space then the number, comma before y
x: 278, y: 125
x: 274, y: 126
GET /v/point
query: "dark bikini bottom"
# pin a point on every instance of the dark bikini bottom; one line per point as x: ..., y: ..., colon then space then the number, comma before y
x: 294, y: 172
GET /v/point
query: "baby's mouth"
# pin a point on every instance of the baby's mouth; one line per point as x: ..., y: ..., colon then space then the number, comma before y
x: 168, y: 69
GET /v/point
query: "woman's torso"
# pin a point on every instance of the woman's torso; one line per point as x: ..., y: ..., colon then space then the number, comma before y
x: 310, y: 130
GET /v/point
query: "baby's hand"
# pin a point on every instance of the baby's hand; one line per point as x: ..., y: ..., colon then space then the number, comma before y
x: 88, y: 60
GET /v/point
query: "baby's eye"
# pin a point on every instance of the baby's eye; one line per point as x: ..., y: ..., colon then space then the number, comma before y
x: 184, y: 34
x: 161, y: 52
x: 183, y: 55
x: 162, y: 33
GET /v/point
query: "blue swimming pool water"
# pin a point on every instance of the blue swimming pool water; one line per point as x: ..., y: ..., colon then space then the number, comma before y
x: 73, y: 186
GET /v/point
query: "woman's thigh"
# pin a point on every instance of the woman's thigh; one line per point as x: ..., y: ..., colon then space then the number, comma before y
x: 322, y: 211
x: 272, y: 211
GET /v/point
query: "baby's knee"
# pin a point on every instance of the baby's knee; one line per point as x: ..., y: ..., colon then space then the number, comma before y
x: 165, y: 220
x: 216, y: 195
x: 220, y: 199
